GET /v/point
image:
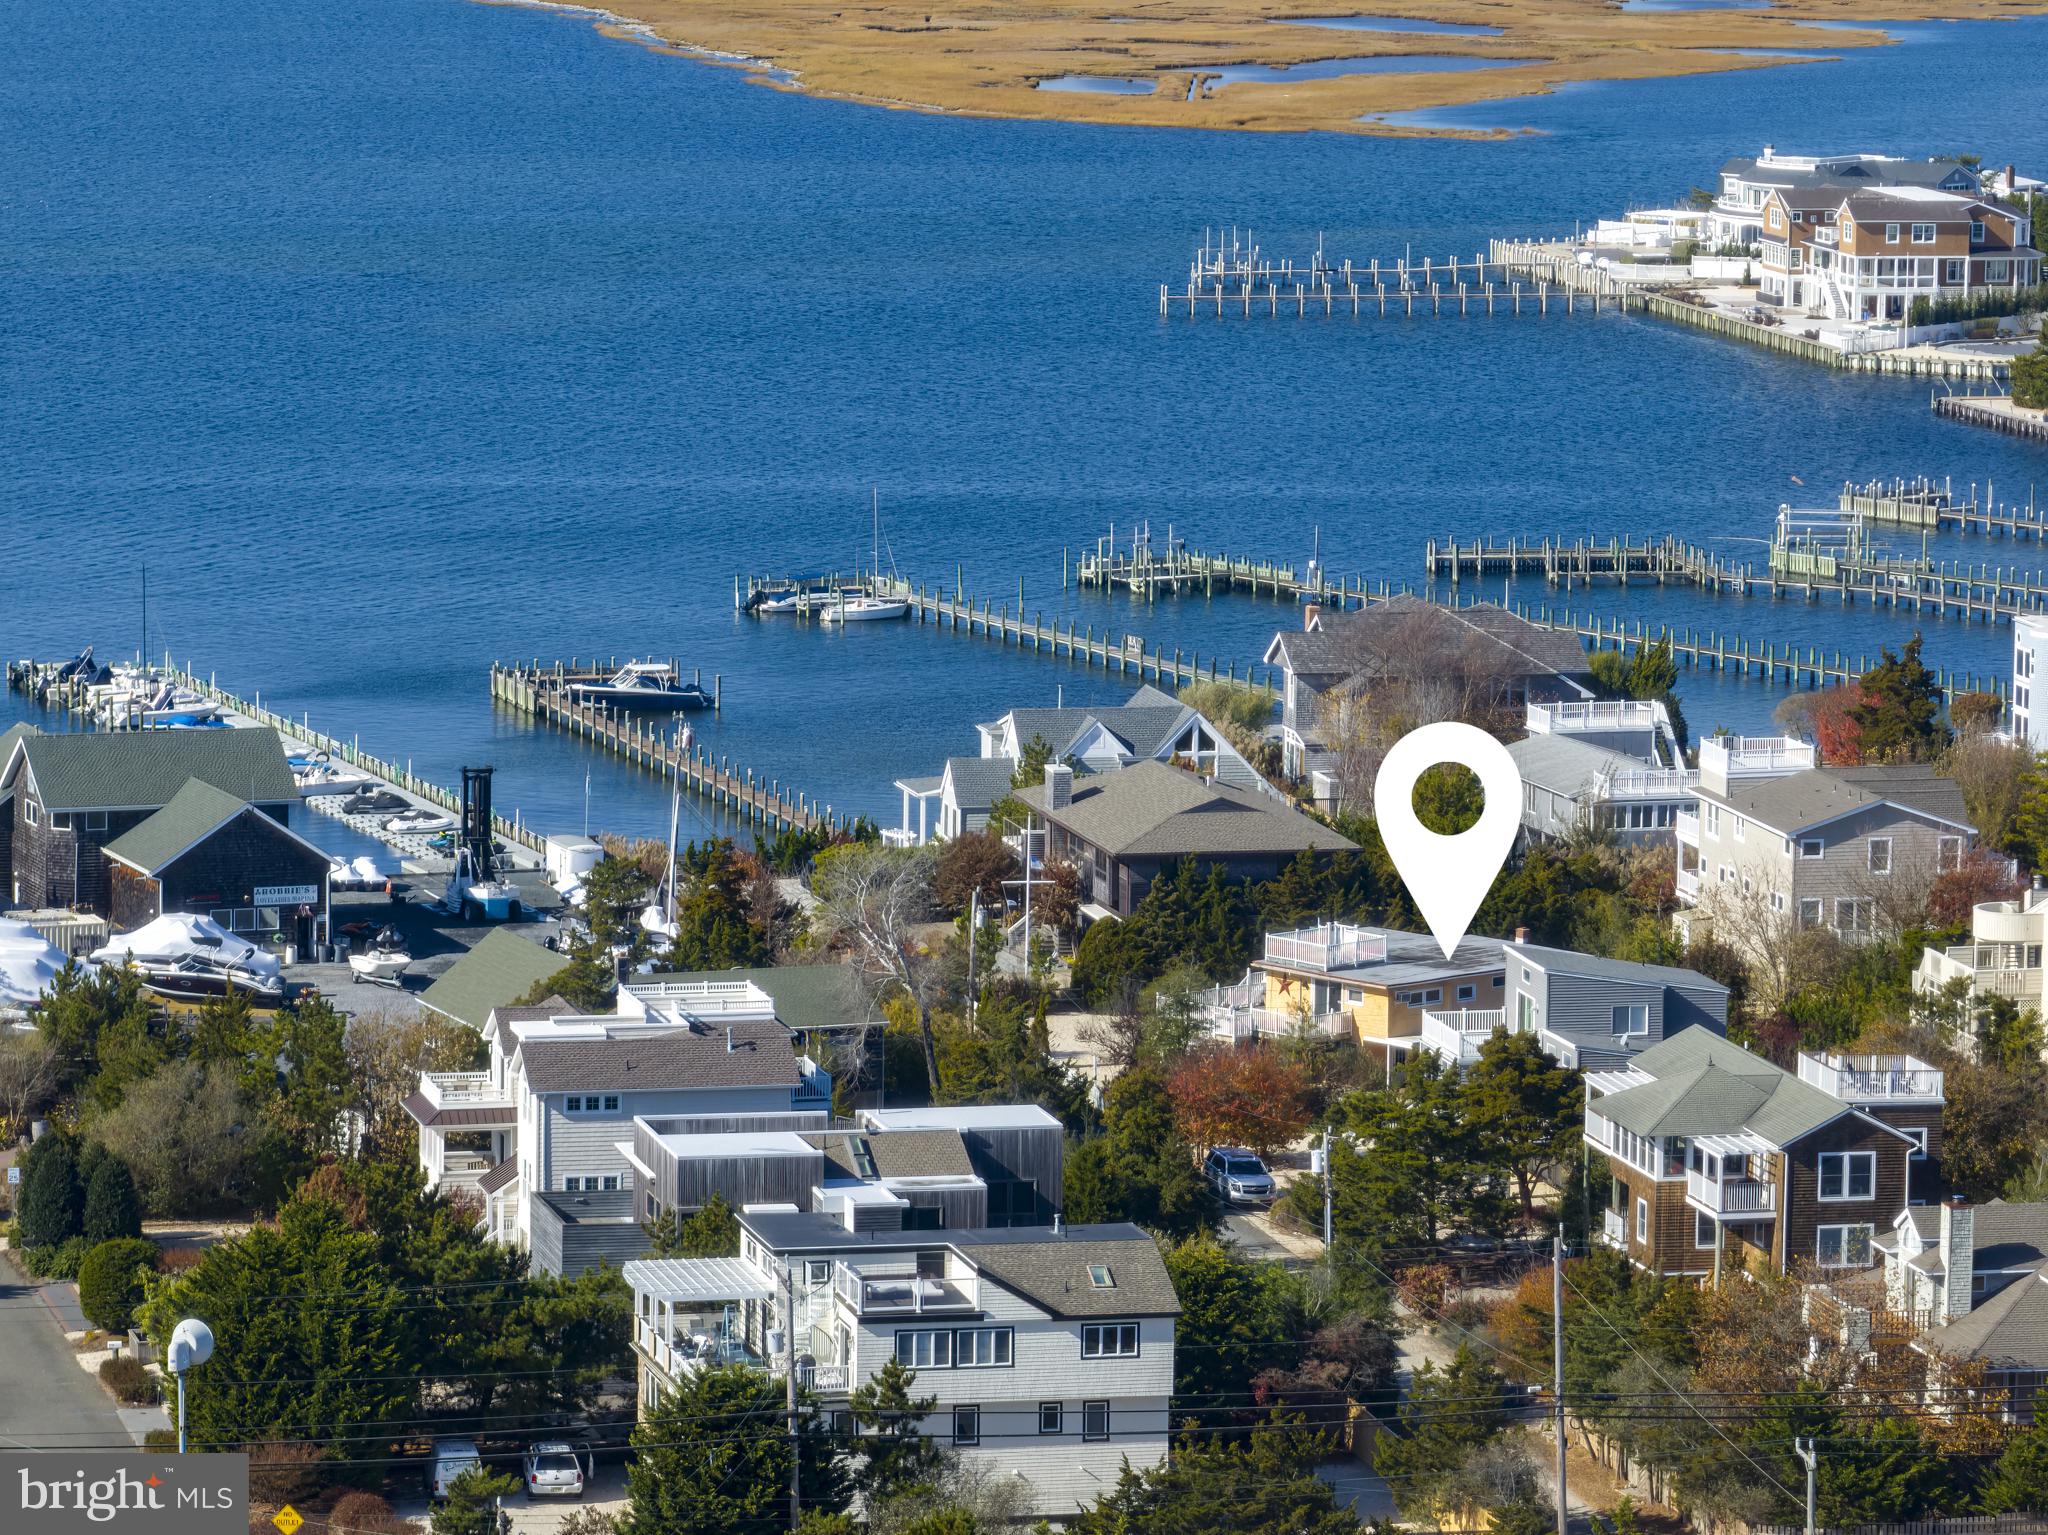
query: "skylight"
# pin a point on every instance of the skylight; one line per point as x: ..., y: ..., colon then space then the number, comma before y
x: 1100, y: 1276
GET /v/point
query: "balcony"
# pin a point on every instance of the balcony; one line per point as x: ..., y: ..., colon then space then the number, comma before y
x: 1613, y: 1229
x: 1689, y: 829
x: 1566, y: 718
x: 464, y: 1090
x: 462, y: 1170
x: 1996, y: 969
x: 1233, y: 1014
x: 1686, y: 882
x: 813, y: 1089
x: 1754, y: 756
x: 706, y: 1350
x: 907, y: 1294
x: 1648, y: 783
x: 1333, y: 946
x: 1872, y: 1078
x: 1732, y: 1196
x: 1457, y: 1036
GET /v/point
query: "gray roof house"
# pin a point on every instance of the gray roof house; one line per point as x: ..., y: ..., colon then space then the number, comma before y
x: 1121, y: 829
x: 1149, y: 726
x: 1048, y: 1353
x: 1410, y: 637
x: 1718, y: 1156
x: 1596, y: 1013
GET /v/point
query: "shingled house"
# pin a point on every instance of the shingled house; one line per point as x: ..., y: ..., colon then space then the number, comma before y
x: 132, y: 824
x: 1717, y: 1156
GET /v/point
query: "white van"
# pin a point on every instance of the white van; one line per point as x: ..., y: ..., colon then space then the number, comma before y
x: 450, y: 1458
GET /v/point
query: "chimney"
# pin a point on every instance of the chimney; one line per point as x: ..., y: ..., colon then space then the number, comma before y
x: 1311, y: 616
x: 728, y: 1039
x: 1059, y: 786
x: 2012, y: 178
x: 1521, y: 935
x: 1058, y: 1226
x: 1958, y: 1255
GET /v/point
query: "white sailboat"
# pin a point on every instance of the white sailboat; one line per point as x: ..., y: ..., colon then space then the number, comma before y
x: 660, y: 916
x: 853, y: 610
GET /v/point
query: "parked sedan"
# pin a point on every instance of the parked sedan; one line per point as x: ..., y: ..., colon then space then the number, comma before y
x: 1238, y: 1176
x: 553, y: 1470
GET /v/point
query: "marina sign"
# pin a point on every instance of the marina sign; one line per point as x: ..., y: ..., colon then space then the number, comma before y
x: 284, y: 895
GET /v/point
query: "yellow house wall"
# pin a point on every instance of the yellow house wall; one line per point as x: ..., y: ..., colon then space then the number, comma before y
x: 1378, y: 1016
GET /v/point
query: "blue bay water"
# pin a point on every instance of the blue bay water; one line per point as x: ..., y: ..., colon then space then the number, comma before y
x: 400, y: 335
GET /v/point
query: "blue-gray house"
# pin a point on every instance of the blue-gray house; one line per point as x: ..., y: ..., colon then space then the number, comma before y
x: 1595, y: 1013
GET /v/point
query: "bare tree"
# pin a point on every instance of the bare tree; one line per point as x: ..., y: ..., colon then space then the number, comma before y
x: 870, y: 900
x: 28, y: 1080
x: 1777, y: 952
x: 386, y: 1054
x: 1991, y: 772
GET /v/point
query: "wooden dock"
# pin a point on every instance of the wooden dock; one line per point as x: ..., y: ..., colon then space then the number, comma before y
x: 1138, y: 567
x: 1583, y: 562
x: 540, y: 690
x: 1993, y: 410
x: 1922, y: 503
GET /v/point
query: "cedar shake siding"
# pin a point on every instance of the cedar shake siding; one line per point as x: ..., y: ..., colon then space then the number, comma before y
x: 222, y: 872
x: 1805, y: 1211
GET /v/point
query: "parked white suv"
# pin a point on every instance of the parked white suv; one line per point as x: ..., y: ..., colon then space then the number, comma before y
x: 1238, y: 1176
x: 553, y: 1469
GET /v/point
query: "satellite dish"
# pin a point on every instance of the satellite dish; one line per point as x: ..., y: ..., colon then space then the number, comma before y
x: 191, y: 1344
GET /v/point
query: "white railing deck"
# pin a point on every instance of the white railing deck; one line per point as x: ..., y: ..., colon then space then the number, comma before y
x: 1457, y: 1036
x: 906, y: 1294
x: 1236, y: 1023
x: 1987, y: 967
x: 1649, y: 783
x: 1735, y: 1196
x: 1896, y: 1077
x: 1756, y: 754
x: 462, y: 1089
x: 1617, y: 714
x: 1333, y: 947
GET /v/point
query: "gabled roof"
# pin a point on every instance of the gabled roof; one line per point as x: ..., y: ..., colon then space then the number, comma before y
x: 144, y: 769
x: 1380, y: 641
x: 1801, y: 801
x: 759, y: 1055
x: 1151, y: 810
x: 195, y: 813
x: 500, y: 969
x: 978, y: 782
x: 2008, y: 1331
x: 8, y: 740
x: 1143, y: 728
x: 1053, y: 1271
x: 1571, y: 962
x: 1707, y: 1086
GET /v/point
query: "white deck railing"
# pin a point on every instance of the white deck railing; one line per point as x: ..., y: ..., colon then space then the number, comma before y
x: 462, y: 1089
x: 1896, y: 1078
x: 1457, y: 1036
x: 1737, y: 1196
x: 1335, y: 946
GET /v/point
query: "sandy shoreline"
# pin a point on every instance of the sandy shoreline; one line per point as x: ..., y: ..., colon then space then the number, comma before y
x: 987, y: 60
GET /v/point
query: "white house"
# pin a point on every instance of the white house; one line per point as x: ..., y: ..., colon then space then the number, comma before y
x: 1049, y: 1351
x: 1149, y: 726
x: 2029, y: 660
x: 537, y: 1132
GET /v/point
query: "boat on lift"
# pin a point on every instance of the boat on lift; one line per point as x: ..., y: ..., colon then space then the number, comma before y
x: 476, y: 886
x: 649, y: 685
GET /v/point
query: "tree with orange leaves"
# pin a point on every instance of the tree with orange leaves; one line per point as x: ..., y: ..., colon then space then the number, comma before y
x: 1255, y: 1098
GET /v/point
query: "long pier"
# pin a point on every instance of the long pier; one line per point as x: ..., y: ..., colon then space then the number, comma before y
x: 1580, y: 562
x: 541, y: 690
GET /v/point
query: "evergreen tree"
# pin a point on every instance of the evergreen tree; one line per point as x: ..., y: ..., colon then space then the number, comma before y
x: 52, y: 1204
x: 664, y: 1234
x: 112, y: 1207
x: 1228, y: 1331
x: 1430, y: 1171
x: 715, y: 928
x: 712, y: 1232
x: 1450, y: 1411
x: 1263, y: 1485
x: 111, y: 1279
x: 1006, y: 1057
x: 1898, y: 713
x: 83, y: 1011
x: 2019, y: 1481
x: 897, y: 1459
x: 471, y: 1507
x: 1139, y: 1169
x: 713, y: 1458
x: 1530, y: 1109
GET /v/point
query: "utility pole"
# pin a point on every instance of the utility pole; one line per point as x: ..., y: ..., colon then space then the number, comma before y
x: 796, y: 1459
x: 1557, y: 1366
x: 1329, y: 1252
x: 1808, y: 1453
x: 973, y: 930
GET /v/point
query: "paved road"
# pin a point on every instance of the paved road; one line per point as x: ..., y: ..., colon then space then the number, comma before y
x: 52, y: 1403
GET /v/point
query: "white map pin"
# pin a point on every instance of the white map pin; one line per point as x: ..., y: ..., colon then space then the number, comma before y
x: 1448, y: 875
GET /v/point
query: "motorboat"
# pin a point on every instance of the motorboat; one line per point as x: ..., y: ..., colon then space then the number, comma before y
x: 781, y: 602
x: 650, y: 685
x: 189, y: 958
x: 171, y: 705
x: 475, y: 888
x: 29, y: 965
x: 383, y: 959
x: 318, y: 776
x: 419, y: 823
x: 375, y: 801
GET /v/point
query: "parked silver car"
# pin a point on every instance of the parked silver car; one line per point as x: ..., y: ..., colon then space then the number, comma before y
x: 553, y: 1469
x: 1238, y: 1176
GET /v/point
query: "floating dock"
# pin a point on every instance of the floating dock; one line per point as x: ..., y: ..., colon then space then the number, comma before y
x: 541, y: 690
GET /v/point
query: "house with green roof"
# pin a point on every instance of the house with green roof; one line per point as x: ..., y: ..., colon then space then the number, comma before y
x: 1717, y: 1156
x: 66, y: 797
x: 213, y: 854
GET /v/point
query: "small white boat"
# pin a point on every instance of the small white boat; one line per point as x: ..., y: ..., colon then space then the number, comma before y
x: 383, y: 961
x: 419, y: 823
x: 782, y: 602
x: 859, y: 610
x: 651, y: 685
x: 495, y: 898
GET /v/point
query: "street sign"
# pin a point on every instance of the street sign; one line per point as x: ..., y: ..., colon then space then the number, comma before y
x: 287, y: 1520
